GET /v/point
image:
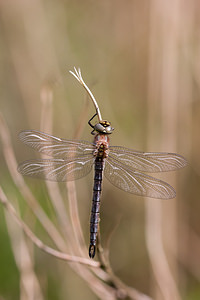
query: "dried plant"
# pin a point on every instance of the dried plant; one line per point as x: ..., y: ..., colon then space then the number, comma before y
x: 68, y: 238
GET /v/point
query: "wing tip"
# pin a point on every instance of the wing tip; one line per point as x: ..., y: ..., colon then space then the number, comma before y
x: 23, y: 134
x: 171, y: 195
x: 184, y: 161
x: 21, y: 168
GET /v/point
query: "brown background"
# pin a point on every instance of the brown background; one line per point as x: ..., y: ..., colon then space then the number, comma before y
x: 141, y: 59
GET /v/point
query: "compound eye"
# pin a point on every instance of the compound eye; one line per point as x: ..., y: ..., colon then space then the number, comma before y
x: 100, y: 128
x: 109, y: 129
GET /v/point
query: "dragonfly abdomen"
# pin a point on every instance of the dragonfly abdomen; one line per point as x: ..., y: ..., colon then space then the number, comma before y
x: 95, y: 211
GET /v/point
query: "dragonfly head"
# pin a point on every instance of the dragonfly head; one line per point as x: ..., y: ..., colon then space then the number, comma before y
x: 103, y: 127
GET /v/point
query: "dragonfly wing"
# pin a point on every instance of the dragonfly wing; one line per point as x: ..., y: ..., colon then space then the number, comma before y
x: 57, y: 169
x: 54, y: 146
x: 147, y: 161
x: 135, y: 182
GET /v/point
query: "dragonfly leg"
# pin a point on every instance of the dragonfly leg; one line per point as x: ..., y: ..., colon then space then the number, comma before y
x: 93, y: 132
x: 89, y: 122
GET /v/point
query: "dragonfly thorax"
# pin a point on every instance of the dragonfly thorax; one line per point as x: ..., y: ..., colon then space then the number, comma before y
x: 103, y: 127
x: 102, y: 146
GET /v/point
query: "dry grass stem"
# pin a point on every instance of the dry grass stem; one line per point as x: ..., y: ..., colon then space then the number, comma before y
x: 157, y: 255
x: 23, y: 188
x: 37, y: 241
x: 46, y: 96
x: 29, y: 283
x: 162, y: 74
x: 78, y: 76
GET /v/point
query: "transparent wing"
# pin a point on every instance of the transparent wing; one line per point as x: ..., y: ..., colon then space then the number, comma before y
x: 135, y: 182
x: 54, y: 146
x: 57, y: 169
x: 147, y: 161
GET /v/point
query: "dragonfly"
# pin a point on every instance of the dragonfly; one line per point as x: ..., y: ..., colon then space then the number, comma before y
x: 73, y: 159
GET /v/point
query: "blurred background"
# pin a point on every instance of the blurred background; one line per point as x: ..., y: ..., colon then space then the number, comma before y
x: 141, y: 60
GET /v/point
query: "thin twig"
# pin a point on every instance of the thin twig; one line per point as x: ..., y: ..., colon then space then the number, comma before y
x: 162, y: 75
x: 46, y: 97
x: 75, y: 219
x: 24, y: 258
x: 71, y: 190
x: 23, y: 188
x: 78, y: 76
x: 38, y: 242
